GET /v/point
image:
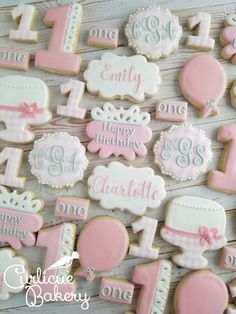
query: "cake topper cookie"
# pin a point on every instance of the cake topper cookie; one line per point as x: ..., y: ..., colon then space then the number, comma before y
x: 203, y: 82
x: 12, y: 58
x: 138, y: 189
x: 201, y: 292
x: 58, y: 160
x: 122, y: 77
x: 13, y: 273
x: 19, y: 218
x: 183, y: 152
x: 195, y: 225
x: 103, y: 36
x: 153, y: 32
x: 228, y: 39
x: 118, y: 131
x: 24, y: 101
x: 171, y: 110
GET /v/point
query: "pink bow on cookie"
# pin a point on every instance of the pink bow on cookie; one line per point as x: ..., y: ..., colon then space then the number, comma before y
x: 29, y: 110
x: 208, y: 235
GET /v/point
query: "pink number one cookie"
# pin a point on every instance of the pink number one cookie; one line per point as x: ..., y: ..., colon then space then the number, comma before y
x: 102, y: 245
x: 60, y: 57
x: 225, y: 180
x: 201, y: 292
x: 13, y: 159
x: 75, y: 89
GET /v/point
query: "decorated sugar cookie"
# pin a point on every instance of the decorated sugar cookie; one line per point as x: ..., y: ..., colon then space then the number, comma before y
x: 201, y: 292
x: 118, y: 131
x: 58, y: 159
x: 138, y: 189
x: 122, y: 77
x: 155, y: 281
x: 203, y: 82
x: 19, y: 218
x: 228, y: 258
x: 195, y: 225
x: 102, y: 244
x: 24, y: 101
x: 103, y: 36
x: 183, y: 152
x: 72, y: 208
x: 13, y: 273
x: 171, y: 110
x: 232, y: 290
x: 228, y: 39
x: 11, y: 58
x: 153, y: 32
x: 233, y: 94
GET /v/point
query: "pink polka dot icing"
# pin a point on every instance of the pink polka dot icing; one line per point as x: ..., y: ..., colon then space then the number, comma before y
x: 183, y: 152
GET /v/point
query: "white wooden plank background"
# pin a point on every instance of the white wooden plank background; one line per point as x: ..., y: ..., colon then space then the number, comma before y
x: 116, y: 12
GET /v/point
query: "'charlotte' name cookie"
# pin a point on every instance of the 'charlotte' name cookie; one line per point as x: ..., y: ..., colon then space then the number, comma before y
x: 153, y: 32
x: 24, y: 101
x: 122, y: 77
x: 183, y: 152
x: 228, y: 39
x: 195, y: 225
x: 19, y: 218
x: 58, y: 160
x: 203, y: 82
x: 136, y: 190
x: 118, y: 131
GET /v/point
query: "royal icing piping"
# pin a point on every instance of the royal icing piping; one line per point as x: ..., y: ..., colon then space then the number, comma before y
x: 228, y: 39
x: 183, y: 152
x: 118, y: 131
x: 19, y: 218
x: 202, y: 41
x: 195, y: 225
x: 225, y: 180
x: 103, y: 36
x: 13, y: 273
x: 122, y: 77
x: 24, y: 101
x: 102, y: 244
x: 203, y: 83
x: 11, y: 58
x: 58, y: 160
x: 201, y: 292
x: 153, y: 32
x: 138, y: 189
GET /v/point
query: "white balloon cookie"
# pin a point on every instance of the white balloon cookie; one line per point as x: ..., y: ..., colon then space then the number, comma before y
x: 122, y: 77
x: 24, y: 102
x: 195, y: 225
x: 58, y: 160
x: 13, y: 273
x: 153, y: 32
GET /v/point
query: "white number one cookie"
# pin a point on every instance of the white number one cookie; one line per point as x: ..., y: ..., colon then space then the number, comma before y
x: 202, y: 41
x: 24, y: 15
x: 145, y: 249
x: 13, y: 159
x: 75, y: 89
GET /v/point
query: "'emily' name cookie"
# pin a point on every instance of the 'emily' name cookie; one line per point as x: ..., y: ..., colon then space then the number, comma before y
x: 122, y: 77
x: 58, y: 160
x: 118, y: 131
x: 138, y: 189
x: 183, y: 152
x: 153, y: 32
x: 195, y: 225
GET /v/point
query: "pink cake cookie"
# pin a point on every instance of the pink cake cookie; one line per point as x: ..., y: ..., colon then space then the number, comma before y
x: 118, y: 131
x: 183, y: 152
x: 153, y: 32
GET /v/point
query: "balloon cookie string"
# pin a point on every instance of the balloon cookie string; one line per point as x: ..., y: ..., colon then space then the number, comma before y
x: 210, y: 108
x: 26, y: 110
x: 90, y: 271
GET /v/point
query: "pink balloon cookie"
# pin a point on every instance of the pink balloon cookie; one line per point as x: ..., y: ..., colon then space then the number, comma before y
x: 118, y: 131
x: 183, y: 152
x: 138, y: 189
x: 201, y: 292
x: 102, y: 244
x: 19, y: 218
x: 24, y: 102
x: 203, y: 82
x: 228, y: 39
x: 13, y: 273
x: 195, y: 225
x: 58, y: 160
x: 153, y: 32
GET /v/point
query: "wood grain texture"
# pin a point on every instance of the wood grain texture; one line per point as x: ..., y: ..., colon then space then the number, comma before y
x: 115, y: 13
